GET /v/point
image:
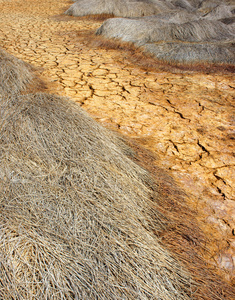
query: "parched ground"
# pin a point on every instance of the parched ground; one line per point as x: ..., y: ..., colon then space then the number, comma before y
x: 185, y: 118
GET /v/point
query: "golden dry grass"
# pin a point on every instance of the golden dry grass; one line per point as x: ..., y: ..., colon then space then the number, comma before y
x: 76, y: 211
x: 80, y: 220
x: 14, y: 74
x: 123, y: 8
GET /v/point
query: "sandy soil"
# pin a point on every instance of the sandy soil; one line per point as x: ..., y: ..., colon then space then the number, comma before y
x: 186, y: 119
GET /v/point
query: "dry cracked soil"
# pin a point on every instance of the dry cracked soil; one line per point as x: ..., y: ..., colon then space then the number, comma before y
x: 185, y: 118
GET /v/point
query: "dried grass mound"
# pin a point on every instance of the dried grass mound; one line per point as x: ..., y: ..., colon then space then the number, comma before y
x: 77, y: 214
x: 75, y: 219
x: 120, y: 8
x: 170, y: 38
x: 14, y: 74
x: 195, y: 31
x: 140, y: 30
x: 193, y: 52
x: 154, y: 29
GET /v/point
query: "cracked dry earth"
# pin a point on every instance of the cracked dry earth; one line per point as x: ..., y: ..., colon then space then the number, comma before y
x: 186, y: 119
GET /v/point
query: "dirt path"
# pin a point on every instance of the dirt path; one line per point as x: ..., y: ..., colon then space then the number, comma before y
x: 186, y: 119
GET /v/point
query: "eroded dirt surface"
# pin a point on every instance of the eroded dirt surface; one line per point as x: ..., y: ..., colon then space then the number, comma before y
x: 187, y: 119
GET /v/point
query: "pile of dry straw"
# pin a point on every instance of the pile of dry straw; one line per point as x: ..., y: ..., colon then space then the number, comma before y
x: 182, y: 31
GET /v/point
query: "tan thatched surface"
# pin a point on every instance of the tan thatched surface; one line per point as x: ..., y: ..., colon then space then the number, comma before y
x: 189, y: 5
x: 121, y: 8
x: 206, y: 6
x: 74, y: 217
x: 153, y: 29
x: 178, y: 36
x: 77, y: 215
x: 14, y: 73
x: 193, y: 52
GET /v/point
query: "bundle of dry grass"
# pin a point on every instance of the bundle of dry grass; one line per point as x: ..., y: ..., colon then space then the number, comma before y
x: 154, y: 29
x: 75, y: 219
x: 195, y: 31
x: 193, y: 52
x: 139, y: 30
x: 171, y: 39
x: 14, y: 73
x: 120, y: 8
x: 206, y: 24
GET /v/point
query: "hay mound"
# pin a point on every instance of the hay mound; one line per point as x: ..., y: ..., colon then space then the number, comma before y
x: 154, y: 29
x: 14, y: 74
x: 75, y: 219
x: 193, y: 52
x: 178, y: 36
x: 206, y: 24
x: 140, y: 30
x: 120, y: 8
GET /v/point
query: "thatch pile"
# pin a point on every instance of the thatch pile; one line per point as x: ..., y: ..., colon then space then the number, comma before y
x: 190, y: 31
x: 156, y: 29
x: 120, y: 8
x: 140, y: 8
x: 14, y: 73
x: 193, y: 52
x: 183, y: 35
x: 77, y: 217
x: 76, y: 212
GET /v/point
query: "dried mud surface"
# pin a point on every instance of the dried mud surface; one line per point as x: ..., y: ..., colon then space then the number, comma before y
x: 185, y: 118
